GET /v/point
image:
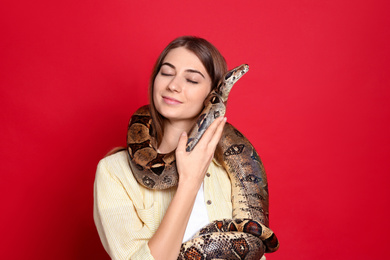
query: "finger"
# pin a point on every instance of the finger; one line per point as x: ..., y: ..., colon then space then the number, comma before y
x: 181, y: 146
x: 210, y: 131
x: 218, y: 134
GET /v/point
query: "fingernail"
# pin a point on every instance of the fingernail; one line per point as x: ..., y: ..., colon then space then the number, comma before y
x: 225, y: 119
x: 184, y: 133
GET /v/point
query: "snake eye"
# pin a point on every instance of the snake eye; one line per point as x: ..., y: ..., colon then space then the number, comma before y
x: 228, y: 75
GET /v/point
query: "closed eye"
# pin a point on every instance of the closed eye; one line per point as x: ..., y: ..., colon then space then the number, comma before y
x: 192, y: 82
x: 165, y: 74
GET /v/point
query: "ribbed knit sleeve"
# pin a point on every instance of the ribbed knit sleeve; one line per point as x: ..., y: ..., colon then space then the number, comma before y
x: 122, y: 232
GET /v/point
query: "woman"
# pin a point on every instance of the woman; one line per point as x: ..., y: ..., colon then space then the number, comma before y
x: 138, y: 223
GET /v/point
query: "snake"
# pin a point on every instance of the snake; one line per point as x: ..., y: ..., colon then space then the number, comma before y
x: 247, y: 235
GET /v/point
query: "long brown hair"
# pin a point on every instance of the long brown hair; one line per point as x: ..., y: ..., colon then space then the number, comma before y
x: 211, y: 59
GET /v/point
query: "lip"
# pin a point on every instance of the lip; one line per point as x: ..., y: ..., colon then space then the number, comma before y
x: 171, y: 101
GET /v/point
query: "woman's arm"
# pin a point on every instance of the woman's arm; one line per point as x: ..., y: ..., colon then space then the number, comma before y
x: 120, y: 227
x: 192, y: 166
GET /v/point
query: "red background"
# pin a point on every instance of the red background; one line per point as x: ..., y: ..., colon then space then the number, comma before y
x: 314, y: 104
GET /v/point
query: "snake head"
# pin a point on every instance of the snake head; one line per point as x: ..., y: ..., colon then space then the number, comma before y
x: 230, y: 78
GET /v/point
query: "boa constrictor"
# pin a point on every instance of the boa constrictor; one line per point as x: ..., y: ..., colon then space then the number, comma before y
x: 246, y: 236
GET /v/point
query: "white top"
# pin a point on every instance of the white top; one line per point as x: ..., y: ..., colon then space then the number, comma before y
x: 198, y: 217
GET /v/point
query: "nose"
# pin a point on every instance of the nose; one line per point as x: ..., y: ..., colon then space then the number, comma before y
x: 174, y: 85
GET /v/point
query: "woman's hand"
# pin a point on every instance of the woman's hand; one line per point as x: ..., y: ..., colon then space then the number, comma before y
x: 192, y: 166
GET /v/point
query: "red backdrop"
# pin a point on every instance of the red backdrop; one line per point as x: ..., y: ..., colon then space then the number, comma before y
x: 314, y: 104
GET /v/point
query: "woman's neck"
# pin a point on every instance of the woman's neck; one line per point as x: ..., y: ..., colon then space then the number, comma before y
x: 172, y: 132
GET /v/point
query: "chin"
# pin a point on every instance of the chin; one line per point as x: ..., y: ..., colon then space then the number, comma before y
x: 169, y: 113
x: 178, y: 116
x: 177, y: 113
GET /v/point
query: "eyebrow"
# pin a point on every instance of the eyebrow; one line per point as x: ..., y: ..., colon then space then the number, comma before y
x: 188, y: 70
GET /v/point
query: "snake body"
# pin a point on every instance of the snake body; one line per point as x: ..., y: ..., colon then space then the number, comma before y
x: 245, y: 236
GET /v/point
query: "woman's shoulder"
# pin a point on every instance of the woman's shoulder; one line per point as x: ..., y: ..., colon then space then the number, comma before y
x: 115, y: 156
x: 116, y: 165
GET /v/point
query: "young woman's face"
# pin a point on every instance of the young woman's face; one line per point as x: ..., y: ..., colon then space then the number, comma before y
x: 181, y: 85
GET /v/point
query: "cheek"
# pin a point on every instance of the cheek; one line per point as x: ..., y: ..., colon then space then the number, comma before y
x: 157, y: 85
x: 199, y: 96
x: 206, y: 91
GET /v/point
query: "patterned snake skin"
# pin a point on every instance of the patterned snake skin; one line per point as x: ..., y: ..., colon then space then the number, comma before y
x: 247, y: 235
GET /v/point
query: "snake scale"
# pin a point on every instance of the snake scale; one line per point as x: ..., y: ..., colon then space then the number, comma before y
x: 245, y: 236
